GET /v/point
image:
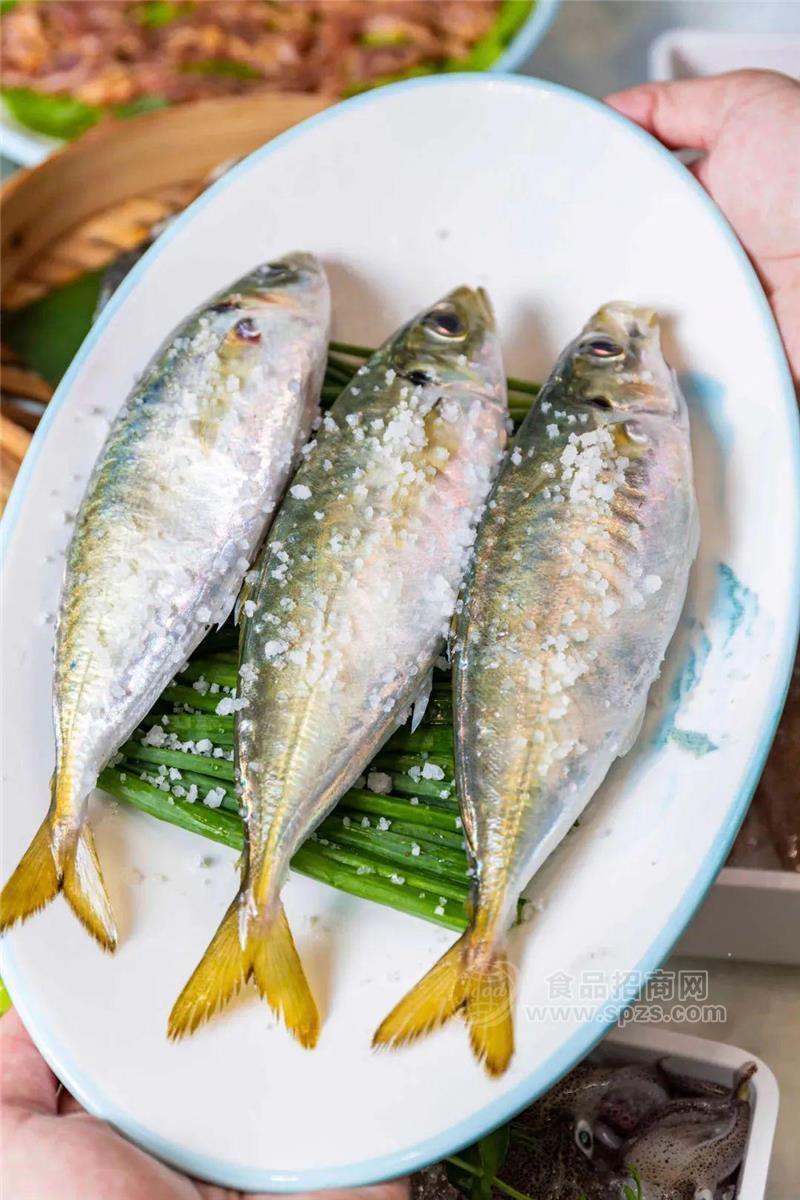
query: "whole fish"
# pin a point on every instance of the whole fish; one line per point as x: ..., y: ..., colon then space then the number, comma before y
x: 580, y: 572
x: 176, y: 507
x: 357, y: 584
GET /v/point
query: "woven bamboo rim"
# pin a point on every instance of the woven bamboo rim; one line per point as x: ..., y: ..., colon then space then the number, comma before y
x: 101, y: 196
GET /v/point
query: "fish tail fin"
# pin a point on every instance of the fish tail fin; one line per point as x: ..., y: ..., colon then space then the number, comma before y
x: 262, y: 950
x: 488, y: 1012
x: 35, y: 882
x: 472, y: 976
x: 57, y: 861
x: 84, y: 889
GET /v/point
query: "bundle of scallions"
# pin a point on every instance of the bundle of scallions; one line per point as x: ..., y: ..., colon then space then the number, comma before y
x: 396, y: 839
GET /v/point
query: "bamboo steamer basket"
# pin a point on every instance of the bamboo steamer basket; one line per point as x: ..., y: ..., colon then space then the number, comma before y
x: 100, y: 197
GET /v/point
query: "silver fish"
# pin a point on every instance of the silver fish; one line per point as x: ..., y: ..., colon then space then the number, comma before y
x: 357, y: 585
x: 580, y: 572
x: 175, y: 509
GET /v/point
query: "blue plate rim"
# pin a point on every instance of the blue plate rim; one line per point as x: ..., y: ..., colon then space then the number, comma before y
x: 489, y: 1116
x: 527, y: 37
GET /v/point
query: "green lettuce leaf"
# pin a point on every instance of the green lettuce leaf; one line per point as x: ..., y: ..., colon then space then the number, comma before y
x: 57, y: 116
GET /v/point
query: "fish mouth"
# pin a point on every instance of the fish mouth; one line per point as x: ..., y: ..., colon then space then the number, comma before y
x: 281, y: 272
x: 300, y: 260
x: 626, y: 322
x: 476, y: 302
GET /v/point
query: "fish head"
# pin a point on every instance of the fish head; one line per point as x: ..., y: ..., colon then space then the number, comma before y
x: 616, y: 366
x: 291, y: 273
x: 296, y: 280
x: 452, y: 344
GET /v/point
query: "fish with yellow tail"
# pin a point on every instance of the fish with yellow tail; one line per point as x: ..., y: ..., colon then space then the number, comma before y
x: 357, y: 584
x: 177, y: 505
x: 580, y: 573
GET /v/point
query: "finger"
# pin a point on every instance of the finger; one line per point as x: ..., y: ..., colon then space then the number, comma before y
x: 67, y: 1103
x: 691, y: 112
x: 26, y: 1081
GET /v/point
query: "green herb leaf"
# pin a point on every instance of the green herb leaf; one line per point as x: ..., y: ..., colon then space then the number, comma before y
x: 628, y: 1191
x: 512, y: 15
x: 5, y: 999
x: 492, y: 1150
x: 142, y: 104
x: 47, y: 333
x: 222, y: 66
x: 355, y: 89
x: 459, y: 1177
x: 155, y: 13
x: 6, y: 6
x: 57, y: 116
x: 474, y: 1172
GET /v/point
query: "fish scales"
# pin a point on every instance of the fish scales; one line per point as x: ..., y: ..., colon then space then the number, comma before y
x: 578, y: 586
x: 356, y: 589
x: 176, y: 507
x: 580, y: 572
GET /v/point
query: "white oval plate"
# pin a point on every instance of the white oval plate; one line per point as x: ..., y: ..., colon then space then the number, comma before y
x: 556, y: 205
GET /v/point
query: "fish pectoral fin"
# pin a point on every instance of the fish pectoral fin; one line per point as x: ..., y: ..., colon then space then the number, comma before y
x: 52, y: 864
x: 632, y: 733
x: 262, y: 950
x: 467, y: 977
x: 421, y: 701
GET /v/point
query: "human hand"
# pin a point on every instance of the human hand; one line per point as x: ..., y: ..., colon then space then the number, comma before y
x: 54, y: 1148
x: 748, y: 125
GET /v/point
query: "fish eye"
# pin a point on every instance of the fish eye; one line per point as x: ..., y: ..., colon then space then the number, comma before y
x: 419, y: 377
x: 602, y: 347
x: 635, y: 433
x: 247, y: 330
x: 584, y: 1138
x: 445, y: 322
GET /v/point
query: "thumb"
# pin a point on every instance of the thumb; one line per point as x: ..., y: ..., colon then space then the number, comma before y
x: 689, y: 113
x: 26, y: 1082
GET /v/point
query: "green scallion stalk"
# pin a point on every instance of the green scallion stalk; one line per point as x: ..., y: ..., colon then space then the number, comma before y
x: 213, y: 671
x: 197, y: 726
x: 202, y: 764
x: 312, y: 859
x: 392, y: 808
x: 405, y: 850
x: 179, y: 694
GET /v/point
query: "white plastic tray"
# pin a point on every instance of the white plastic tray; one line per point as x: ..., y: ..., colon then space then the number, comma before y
x: 717, y: 1062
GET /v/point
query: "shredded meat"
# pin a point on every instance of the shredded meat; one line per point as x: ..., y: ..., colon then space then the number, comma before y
x: 111, y: 51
